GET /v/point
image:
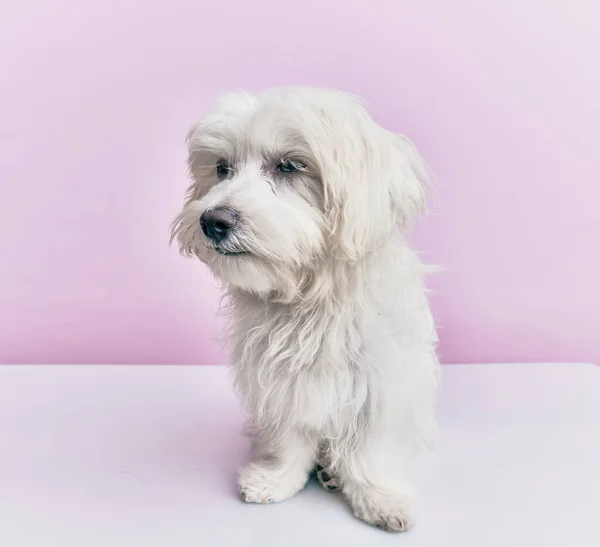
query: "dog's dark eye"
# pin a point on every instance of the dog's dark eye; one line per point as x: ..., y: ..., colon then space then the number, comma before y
x: 223, y: 169
x: 290, y: 166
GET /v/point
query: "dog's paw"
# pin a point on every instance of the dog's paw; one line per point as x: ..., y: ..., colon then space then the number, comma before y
x: 386, y: 511
x: 327, y: 479
x: 259, y: 484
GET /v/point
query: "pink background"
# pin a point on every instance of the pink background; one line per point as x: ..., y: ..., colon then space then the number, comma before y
x: 502, y: 98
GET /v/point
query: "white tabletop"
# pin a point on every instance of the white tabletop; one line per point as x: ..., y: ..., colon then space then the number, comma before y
x: 147, y: 456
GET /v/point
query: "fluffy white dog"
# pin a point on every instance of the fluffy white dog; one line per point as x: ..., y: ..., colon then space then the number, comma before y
x: 300, y: 204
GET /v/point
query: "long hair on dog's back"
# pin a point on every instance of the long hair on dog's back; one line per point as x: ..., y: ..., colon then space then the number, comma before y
x: 300, y: 203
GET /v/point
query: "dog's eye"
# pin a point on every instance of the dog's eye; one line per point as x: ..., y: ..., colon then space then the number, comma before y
x: 223, y: 169
x: 290, y: 166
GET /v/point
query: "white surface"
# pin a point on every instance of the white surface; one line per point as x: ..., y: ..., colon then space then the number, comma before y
x: 146, y: 456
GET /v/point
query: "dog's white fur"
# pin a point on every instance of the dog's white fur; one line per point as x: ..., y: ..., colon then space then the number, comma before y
x: 333, y: 340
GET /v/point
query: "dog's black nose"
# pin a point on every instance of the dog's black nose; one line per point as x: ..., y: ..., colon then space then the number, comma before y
x: 216, y: 223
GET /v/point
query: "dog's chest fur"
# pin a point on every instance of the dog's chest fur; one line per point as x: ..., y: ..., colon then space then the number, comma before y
x: 303, y: 366
x: 326, y: 365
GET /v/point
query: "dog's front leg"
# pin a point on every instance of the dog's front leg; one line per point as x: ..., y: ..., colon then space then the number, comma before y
x: 373, y: 481
x: 280, y: 469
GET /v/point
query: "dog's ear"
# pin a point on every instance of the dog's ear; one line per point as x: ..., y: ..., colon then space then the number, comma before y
x: 409, y: 179
x: 196, y: 162
x: 212, y: 139
x: 374, y: 181
x: 201, y: 160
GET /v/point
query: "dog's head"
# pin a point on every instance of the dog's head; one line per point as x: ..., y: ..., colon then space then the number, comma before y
x: 290, y: 179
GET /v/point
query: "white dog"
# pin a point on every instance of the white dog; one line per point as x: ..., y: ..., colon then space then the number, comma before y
x: 300, y: 203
